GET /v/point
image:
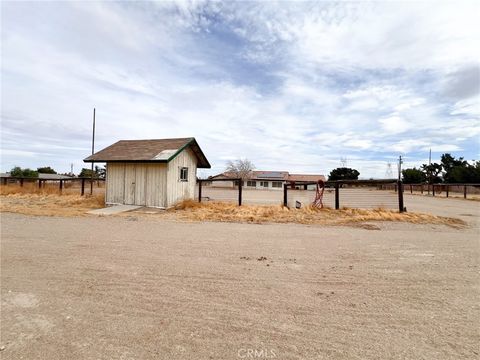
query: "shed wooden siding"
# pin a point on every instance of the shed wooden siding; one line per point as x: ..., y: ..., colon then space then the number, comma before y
x: 115, y: 183
x: 181, y: 190
x: 129, y: 184
x: 136, y: 184
x: 156, y: 185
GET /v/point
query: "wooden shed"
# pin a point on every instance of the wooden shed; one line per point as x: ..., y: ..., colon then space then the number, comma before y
x: 156, y: 173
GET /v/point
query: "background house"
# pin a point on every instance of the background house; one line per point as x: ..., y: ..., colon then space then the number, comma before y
x: 299, y: 178
x: 272, y: 180
x: 157, y: 173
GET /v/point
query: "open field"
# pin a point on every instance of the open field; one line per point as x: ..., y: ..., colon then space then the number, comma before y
x: 44, y: 202
x: 361, y: 197
x: 50, y: 204
x: 48, y: 200
x: 368, y: 198
x: 52, y: 187
x: 137, y: 287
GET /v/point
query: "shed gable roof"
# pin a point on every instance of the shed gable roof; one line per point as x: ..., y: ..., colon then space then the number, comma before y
x: 155, y: 150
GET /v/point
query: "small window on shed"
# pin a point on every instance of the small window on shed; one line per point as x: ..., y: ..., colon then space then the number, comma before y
x: 184, y: 174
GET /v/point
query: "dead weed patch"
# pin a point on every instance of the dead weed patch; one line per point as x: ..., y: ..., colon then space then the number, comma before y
x: 49, y: 204
x: 229, y: 212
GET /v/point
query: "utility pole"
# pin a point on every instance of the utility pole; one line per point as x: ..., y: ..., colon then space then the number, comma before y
x: 429, y: 170
x: 400, y: 162
x: 71, y: 169
x: 93, y: 150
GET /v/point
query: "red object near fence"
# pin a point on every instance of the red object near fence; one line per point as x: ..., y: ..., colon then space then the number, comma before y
x: 318, y: 202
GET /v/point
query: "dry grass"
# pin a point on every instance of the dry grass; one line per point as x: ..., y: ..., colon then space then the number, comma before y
x: 229, y: 212
x: 48, y: 201
x: 31, y: 188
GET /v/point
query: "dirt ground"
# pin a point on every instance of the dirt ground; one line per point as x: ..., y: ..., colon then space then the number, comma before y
x: 140, y: 288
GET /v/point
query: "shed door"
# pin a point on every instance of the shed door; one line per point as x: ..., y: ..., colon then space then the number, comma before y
x: 140, y: 184
x: 130, y: 184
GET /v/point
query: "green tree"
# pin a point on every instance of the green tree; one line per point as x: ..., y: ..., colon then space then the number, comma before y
x: 432, y: 172
x: 101, y: 172
x: 449, y: 163
x: 413, y: 176
x: 46, y: 170
x: 17, y: 171
x: 86, y: 173
x: 343, y: 173
x: 465, y: 173
x: 98, y: 173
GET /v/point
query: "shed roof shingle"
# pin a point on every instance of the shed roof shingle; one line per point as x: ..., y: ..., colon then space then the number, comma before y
x: 155, y: 150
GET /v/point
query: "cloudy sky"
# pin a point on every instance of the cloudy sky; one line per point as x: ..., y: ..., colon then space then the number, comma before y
x: 291, y: 86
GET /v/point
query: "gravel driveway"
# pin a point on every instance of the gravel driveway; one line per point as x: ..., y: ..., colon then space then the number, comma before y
x: 140, y: 288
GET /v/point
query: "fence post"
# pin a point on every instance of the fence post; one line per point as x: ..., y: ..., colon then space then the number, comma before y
x: 240, y: 186
x: 421, y: 188
x: 285, y: 195
x: 21, y: 181
x: 446, y: 189
x: 61, y: 185
x: 4, y: 181
x: 199, y: 190
x: 337, y: 196
x: 83, y: 187
x: 39, y: 183
x: 464, y: 191
x: 400, y: 196
x: 411, y: 189
x: 433, y: 190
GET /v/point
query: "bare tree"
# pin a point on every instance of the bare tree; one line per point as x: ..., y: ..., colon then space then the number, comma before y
x: 240, y: 168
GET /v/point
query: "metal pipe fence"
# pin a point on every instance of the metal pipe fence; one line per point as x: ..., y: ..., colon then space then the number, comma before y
x: 232, y: 191
x: 337, y: 194
x: 61, y: 183
x: 441, y: 189
x: 348, y: 193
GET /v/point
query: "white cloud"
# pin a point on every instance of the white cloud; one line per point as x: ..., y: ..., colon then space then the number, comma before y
x: 293, y: 86
x: 406, y: 146
x: 360, y: 144
x: 394, y: 124
x: 469, y: 107
x: 392, y: 35
x: 442, y: 148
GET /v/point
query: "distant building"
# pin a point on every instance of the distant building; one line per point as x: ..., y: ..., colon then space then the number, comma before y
x: 157, y: 173
x: 267, y: 180
x: 41, y: 176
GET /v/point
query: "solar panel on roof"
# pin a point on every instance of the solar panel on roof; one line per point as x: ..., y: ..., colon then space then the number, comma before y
x: 272, y: 174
